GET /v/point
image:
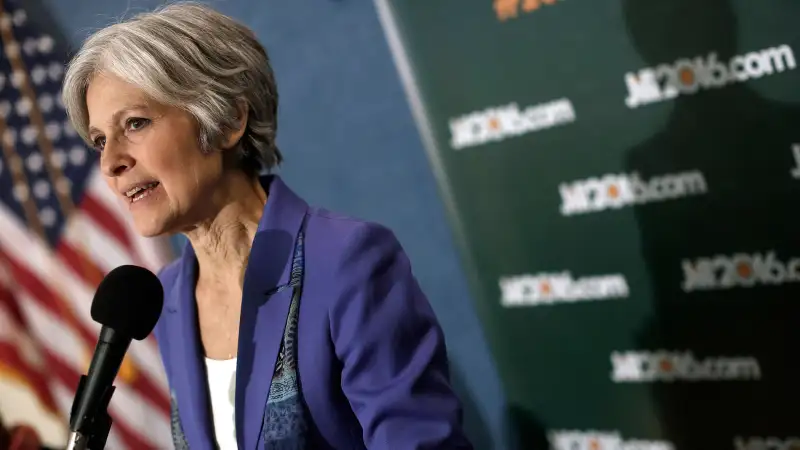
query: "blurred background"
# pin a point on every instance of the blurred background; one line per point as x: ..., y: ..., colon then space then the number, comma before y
x: 599, y: 199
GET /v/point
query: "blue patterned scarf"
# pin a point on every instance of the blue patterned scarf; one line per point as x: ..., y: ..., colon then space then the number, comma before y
x: 285, y: 425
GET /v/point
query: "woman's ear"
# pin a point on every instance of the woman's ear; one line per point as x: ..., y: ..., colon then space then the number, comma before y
x: 237, y: 131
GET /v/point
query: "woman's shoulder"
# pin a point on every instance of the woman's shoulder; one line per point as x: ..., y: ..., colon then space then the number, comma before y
x: 344, y: 240
x: 343, y: 225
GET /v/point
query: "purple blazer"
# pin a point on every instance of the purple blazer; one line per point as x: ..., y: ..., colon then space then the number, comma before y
x: 372, y: 362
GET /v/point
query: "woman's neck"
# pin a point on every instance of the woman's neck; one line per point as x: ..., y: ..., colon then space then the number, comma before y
x: 222, y: 243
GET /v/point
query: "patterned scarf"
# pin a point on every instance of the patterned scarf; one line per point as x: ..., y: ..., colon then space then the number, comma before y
x: 285, y: 425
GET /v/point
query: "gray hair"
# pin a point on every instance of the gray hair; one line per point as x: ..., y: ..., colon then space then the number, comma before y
x: 189, y: 56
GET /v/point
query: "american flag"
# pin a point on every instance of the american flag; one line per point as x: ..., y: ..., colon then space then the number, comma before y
x: 61, y: 230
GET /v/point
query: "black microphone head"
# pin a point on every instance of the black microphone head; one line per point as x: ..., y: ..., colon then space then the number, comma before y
x: 129, y: 301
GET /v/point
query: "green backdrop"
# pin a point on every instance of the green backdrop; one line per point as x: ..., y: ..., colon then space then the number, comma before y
x: 623, y: 178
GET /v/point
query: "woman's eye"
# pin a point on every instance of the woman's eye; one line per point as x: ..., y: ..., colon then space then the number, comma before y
x: 99, y: 143
x: 137, y: 123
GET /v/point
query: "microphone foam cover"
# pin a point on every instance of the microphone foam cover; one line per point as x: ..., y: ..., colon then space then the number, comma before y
x: 129, y: 301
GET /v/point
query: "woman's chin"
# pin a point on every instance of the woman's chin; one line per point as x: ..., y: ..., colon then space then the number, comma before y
x: 151, y: 219
x: 149, y: 228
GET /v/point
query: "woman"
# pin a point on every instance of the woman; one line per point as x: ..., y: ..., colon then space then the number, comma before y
x: 309, y: 322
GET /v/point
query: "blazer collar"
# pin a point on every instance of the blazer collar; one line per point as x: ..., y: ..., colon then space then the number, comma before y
x: 262, y: 321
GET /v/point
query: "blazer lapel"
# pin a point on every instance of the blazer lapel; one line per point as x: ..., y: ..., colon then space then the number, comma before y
x: 186, y: 357
x: 259, y: 342
x: 265, y: 306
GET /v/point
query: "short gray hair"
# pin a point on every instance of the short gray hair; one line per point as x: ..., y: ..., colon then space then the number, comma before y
x: 192, y: 57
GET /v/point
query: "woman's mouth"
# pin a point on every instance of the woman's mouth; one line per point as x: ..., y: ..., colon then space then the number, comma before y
x: 140, y: 192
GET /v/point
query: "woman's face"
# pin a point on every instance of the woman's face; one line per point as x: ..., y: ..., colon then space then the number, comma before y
x: 150, y: 157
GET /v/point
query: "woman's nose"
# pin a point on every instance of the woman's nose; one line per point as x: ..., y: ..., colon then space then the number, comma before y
x: 114, y: 161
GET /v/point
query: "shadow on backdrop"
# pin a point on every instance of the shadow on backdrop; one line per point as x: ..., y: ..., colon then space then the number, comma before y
x: 741, y: 143
x: 474, y: 425
x: 530, y: 433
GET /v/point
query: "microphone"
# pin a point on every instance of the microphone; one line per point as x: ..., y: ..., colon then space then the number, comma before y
x: 127, y: 304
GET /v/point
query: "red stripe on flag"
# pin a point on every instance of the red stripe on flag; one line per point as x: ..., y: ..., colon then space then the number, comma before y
x: 39, y: 290
x: 11, y: 360
x: 80, y: 265
x: 51, y: 301
x: 11, y: 305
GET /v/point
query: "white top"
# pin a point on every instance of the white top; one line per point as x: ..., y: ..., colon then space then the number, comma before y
x: 222, y: 388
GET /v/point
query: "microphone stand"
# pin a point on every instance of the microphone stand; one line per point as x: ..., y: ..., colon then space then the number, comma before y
x: 95, y: 429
